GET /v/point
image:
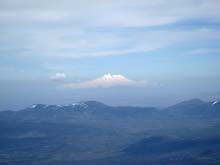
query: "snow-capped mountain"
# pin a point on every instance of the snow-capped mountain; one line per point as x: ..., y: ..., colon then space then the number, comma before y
x: 93, y: 110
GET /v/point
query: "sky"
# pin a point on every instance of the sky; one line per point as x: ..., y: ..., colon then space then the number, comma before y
x: 124, y: 52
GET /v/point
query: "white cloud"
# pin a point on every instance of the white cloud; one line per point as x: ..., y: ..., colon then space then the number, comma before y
x: 202, y: 51
x: 58, y: 77
x: 87, y: 13
x: 66, y: 44
x: 78, y: 22
x: 106, y: 81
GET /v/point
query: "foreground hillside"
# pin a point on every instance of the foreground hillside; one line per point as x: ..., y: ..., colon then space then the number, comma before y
x: 95, y: 133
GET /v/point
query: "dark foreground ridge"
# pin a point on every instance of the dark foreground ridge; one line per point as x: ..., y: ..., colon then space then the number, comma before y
x: 92, y: 133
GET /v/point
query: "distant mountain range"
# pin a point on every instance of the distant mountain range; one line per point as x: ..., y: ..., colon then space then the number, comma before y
x: 196, y: 107
x: 94, y: 110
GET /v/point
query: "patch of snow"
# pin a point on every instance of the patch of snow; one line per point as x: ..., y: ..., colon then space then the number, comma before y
x: 74, y: 104
x: 80, y: 104
x: 215, y: 102
x: 33, y: 106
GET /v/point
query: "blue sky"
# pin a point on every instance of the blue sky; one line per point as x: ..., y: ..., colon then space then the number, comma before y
x: 146, y: 53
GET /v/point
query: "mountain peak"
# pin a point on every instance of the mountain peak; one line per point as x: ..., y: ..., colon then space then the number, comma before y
x: 188, y: 104
x: 92, y: 103
x: 110, y: 76
x: 194, y: 100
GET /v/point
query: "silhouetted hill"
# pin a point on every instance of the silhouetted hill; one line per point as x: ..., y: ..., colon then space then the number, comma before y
x: 196, y: 107
x: 92, y: 133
